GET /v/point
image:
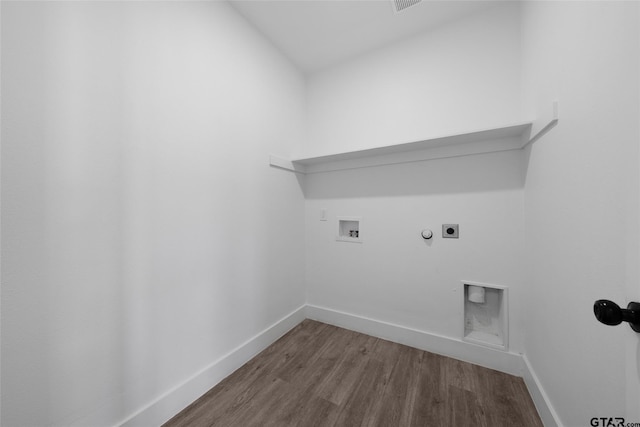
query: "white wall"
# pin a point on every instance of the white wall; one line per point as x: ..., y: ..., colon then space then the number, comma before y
x: 581, y: 196
x: 395, y: 275
x: 580, y: 201
x: 461, y: 76
x: 144, y: 235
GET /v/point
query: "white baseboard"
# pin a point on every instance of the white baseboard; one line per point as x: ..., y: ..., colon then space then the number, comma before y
x: 510, y: 363
x: 503, y: 361
x: 174, y: 400
x: 547, y: 414
x: 179, y: 397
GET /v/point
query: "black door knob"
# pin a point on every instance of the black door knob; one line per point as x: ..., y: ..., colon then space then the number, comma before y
x: 610, y: 313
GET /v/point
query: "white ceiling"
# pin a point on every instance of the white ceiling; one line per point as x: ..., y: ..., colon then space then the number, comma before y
x: 315, y: 34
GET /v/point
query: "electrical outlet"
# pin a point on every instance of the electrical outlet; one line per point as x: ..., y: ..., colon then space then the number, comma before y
x: 450, y: 231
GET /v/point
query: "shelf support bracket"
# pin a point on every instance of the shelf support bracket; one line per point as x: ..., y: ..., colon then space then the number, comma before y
x: 282, y: 163
x: 550, y: 124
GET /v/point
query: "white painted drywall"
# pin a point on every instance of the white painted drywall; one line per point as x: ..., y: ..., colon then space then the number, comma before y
x: 581, y: 202
x: 633, y: 281
x: 461, y: 76
x: 144, y: 234
x: 396, y: 276
x: 464, y: 75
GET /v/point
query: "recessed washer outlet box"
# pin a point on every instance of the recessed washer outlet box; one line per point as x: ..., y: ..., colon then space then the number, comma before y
x: 450, y: 231
x: 486, y: 320
x: 349, y: 229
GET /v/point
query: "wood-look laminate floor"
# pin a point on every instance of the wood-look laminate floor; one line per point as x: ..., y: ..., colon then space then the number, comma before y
x: 321, y: 375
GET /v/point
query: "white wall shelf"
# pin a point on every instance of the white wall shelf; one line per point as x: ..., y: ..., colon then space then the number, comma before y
x: 499, y: 138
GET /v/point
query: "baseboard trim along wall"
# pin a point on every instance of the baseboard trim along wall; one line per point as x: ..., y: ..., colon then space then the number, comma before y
x: 174, y: 400
x: 510, y: 363
x: 547, y: 414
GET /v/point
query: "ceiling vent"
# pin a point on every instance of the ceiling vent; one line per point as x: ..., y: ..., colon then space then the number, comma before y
x: 400, y: 5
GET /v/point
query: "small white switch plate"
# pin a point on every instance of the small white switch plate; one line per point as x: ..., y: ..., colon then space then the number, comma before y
x: 323, y: 214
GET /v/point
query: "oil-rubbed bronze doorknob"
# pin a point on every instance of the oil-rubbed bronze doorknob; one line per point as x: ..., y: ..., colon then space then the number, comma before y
x: 610, y: 313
